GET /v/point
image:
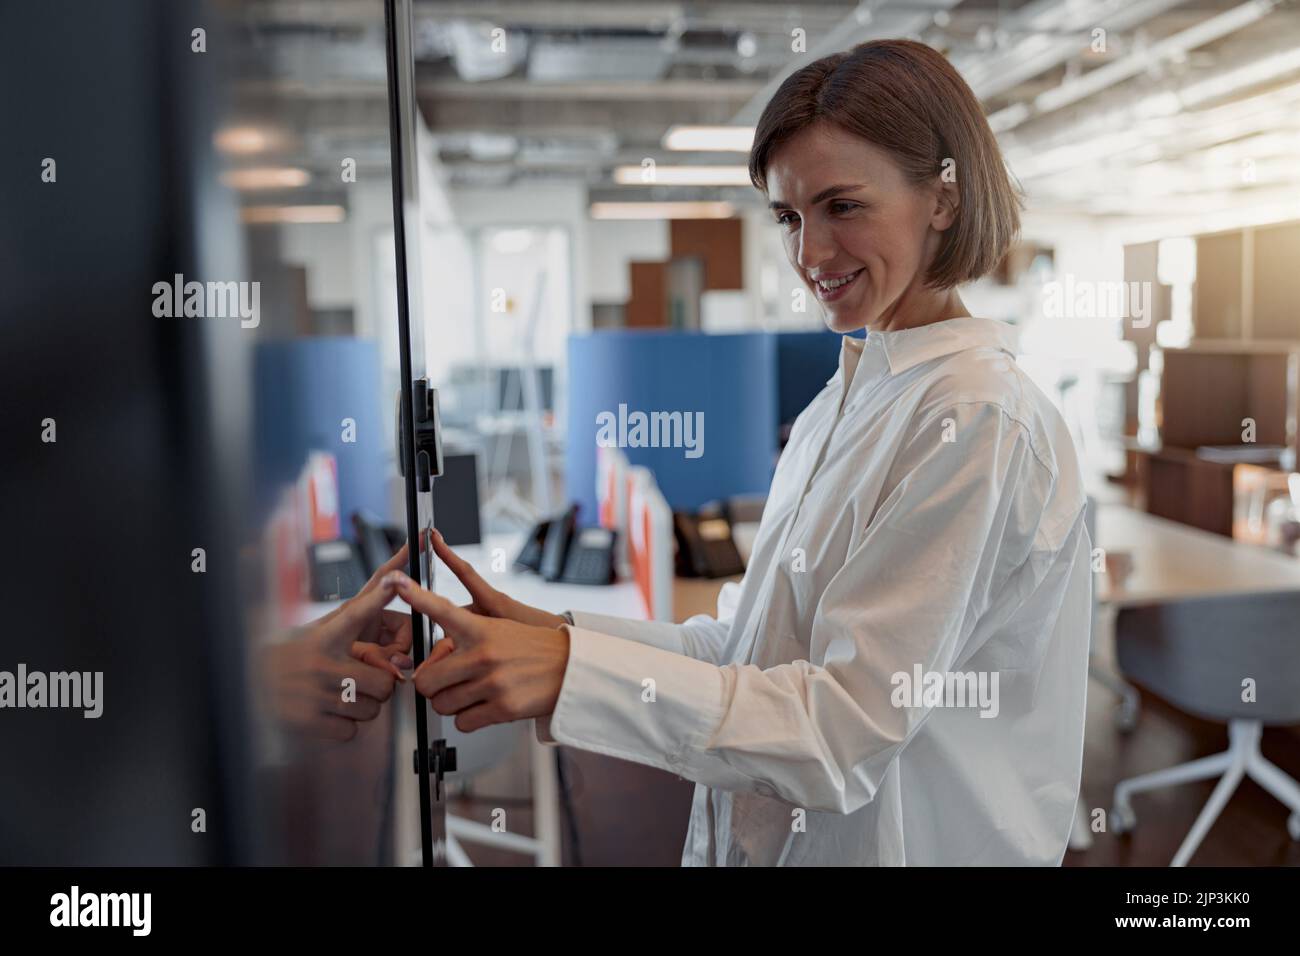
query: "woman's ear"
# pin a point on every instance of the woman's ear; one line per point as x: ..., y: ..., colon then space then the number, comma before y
x: 947, y: 200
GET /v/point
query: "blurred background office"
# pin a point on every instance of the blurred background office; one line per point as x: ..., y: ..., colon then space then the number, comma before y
x: 587, y: 237
x: 582, y: 174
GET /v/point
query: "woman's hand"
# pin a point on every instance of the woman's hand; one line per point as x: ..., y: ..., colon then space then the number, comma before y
x: 384, y: 638
x: 359, y: 641
x: 486, y: 670
x: 484, y: 598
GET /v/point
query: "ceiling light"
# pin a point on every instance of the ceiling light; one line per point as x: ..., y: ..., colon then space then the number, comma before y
x: 681, y: 175
x: 259, y: 215
x: 245, y: 140
x: 720, y: 139
x: 269, y: 177
x: 662, y: 210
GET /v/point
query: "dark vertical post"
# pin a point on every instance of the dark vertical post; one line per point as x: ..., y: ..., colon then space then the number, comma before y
x: 396, y: 119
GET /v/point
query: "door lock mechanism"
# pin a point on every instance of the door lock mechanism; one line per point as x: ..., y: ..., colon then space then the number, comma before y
x: 442, y: 761
x: 428, y: 435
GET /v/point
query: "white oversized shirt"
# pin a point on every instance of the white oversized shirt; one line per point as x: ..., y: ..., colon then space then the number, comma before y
x: 925, y: 520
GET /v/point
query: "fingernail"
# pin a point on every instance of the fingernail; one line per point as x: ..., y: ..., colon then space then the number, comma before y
x: 396, y: 579
x: 402, y: 661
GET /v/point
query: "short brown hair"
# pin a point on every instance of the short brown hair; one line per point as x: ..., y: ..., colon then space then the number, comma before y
x: 907, y: 99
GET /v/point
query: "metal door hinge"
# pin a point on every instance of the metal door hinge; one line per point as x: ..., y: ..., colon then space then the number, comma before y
x: 442, y: 760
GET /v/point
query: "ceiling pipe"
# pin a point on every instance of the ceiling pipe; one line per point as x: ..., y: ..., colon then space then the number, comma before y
x: 871, y: 20
x: 990, y: 75
x: 1216, y: 28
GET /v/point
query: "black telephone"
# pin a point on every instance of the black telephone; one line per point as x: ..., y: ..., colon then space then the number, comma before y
x: 336, y: 570
x: 560, y: 551
x: 705, y: 548
x: 376, y: 540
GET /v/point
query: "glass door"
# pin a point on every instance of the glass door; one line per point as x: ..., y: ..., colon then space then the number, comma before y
x: 418, y: 439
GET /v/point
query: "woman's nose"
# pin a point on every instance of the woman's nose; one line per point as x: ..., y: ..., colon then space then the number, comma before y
x: 815, y: 247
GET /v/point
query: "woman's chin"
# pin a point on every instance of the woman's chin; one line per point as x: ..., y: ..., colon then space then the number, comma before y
x: 846, y: 321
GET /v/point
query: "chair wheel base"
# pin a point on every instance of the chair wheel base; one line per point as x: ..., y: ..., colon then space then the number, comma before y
x: 1122, y: 818
x: 1293, y: 826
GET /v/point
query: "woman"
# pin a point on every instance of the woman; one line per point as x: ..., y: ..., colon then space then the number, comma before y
x: 899, y: 678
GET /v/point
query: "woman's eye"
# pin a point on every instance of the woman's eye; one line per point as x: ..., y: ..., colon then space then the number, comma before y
x: 839, y: 208
x: 787, y: 219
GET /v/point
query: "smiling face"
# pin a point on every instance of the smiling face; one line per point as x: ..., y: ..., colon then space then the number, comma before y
x: 859, y: 234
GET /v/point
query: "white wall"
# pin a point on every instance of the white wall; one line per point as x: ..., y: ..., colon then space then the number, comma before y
x: 443, y: 300
x: 324, y: 249
x: 773, y: 282
x: 612, y: 244
x: 446, y: 270
x: 561, y: 204
x: 370, y: 213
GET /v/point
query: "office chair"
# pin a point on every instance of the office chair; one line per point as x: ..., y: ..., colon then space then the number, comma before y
x: 1198, y: 654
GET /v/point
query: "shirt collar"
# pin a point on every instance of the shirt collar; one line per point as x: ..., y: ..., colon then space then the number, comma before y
x: 906, y: 348
x: 851, y: 349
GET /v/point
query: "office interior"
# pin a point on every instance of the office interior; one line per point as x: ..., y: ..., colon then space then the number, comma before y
x: 586, y: 237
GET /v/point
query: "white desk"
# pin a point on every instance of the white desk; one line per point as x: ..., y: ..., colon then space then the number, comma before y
x: 1173, y: 561
x: 619, y: 600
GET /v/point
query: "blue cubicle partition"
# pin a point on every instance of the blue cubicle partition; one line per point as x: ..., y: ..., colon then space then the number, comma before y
x: 303, y: 390
x: 804, y: 361
x: 730, y: 378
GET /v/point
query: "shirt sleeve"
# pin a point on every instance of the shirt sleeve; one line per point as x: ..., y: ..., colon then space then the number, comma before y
x: 701, y: 637
x: 963, y: 515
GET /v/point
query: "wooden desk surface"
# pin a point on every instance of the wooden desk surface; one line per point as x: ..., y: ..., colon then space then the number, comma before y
x: 1172, y: 561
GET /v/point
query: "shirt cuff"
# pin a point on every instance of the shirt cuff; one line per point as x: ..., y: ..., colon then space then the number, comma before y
x: 629, y: 700
x: 661, y: 634
x: 542, y: 725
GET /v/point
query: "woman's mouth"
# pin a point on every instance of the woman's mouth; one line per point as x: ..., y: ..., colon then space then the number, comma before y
x: 835, y: 287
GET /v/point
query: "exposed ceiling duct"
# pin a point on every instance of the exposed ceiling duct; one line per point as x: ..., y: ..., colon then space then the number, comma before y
x: 574, y: 88
x: 600, y: 59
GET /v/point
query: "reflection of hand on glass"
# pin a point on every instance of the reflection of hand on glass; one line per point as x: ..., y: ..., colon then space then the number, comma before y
x: 485, y: 599
x: 359, y: 640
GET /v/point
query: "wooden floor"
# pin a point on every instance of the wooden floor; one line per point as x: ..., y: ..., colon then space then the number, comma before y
x: 630, y: 815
